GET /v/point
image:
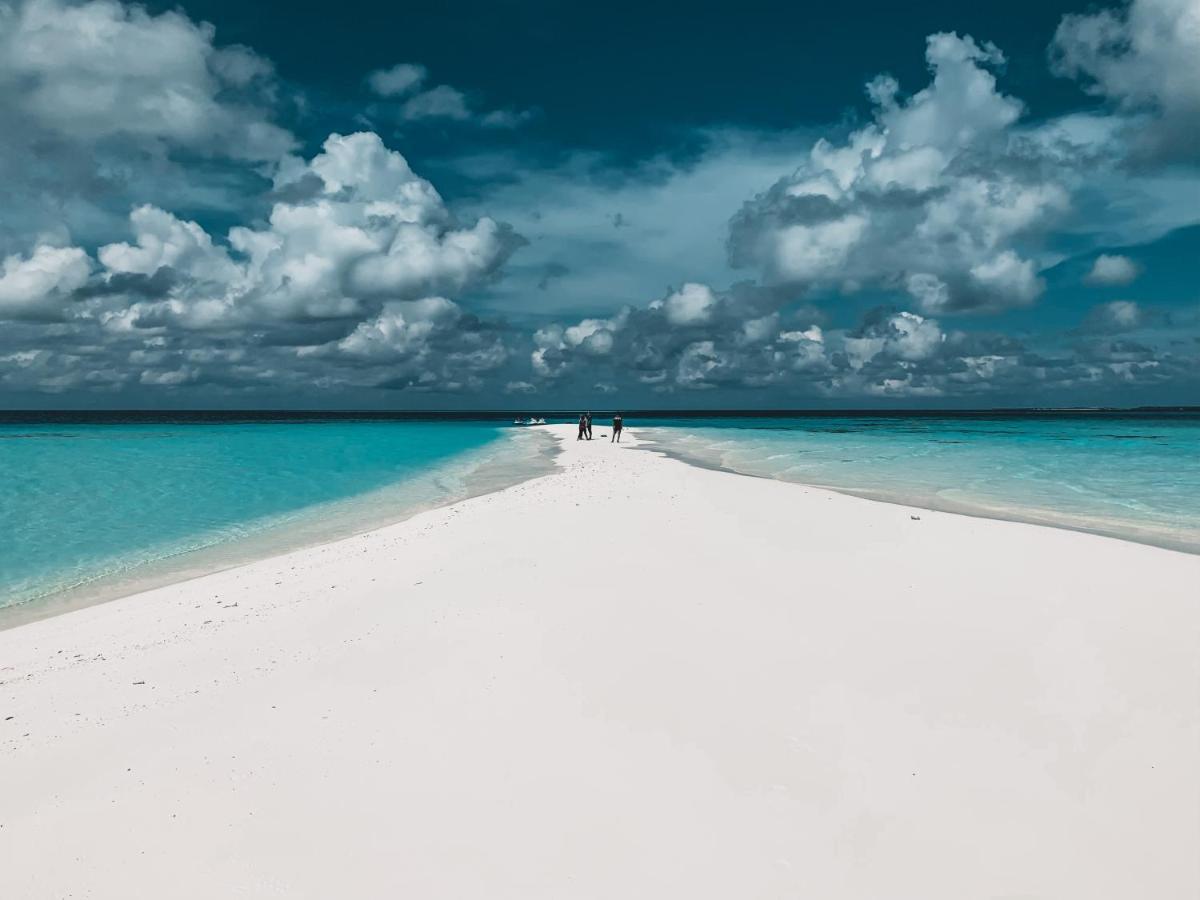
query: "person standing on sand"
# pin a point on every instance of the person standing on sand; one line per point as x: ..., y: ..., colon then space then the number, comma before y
x: 588, y: 416
x: 618, y: 424
x: 582, y: 427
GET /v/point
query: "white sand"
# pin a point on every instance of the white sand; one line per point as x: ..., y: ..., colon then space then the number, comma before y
x: 630, y: 679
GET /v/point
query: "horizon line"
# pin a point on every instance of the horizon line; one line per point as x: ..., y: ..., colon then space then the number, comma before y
x: 574, y: 410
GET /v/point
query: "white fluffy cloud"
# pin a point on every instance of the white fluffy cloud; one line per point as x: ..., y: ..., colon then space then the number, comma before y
x: 38, y: 285
x: 724, y: 342
x: 933, y: 195
x: 1117, y: 316
x: 700, y: 366
x: 692, y: 304
x: 348, y: 271
x: 441, y: 102
x: 163, y: 241
x: 1144, y: 57
x: 105, y: 106
x: 368, y: 230
x: 104, y: 69
x: 903, y: 336
x: 1112, y: 269
x: 816, y: 251
x: 419, y: 344
x: 400, y: 328
x: 406, y: 82
x: 739, y: 345
x: 347, y: 284
x: 1007, y: 277
x: 555, y: 345
x: 397, y: 80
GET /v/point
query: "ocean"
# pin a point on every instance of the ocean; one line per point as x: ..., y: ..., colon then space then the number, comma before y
x: 99, y: 504
x: 1131, y: 475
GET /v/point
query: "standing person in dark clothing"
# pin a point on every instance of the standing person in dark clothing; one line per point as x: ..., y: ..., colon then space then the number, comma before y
x: 589, y: 424
x: 618, y: 424
x: 582, y: 427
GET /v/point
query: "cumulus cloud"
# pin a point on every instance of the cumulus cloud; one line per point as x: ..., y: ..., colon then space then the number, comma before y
x: 400, y: 328
x: 348, y: 283
x: 369, y: 230
x: 105, y: 106
x: 692, y: 304
x: 1145, y: 58
x: 1008, y: 278
x: 1112, y: 269
x: 163, y: 242
x: 556, y: 345
x: 750, y: 338
x: 949, y: 198
x: 397, y: 80
x: 934, y: 195
x: 38, y: 285
x: 507, y: 118
x: 694, y: 338
x: 903, y: 335
x: 349, y: 273
x: 701, y: 366
x: 763, y: 328
x: 406, y: 82
x: 441, y: 102
x: 425, y: 344
x: 103, y: 69
x: 1117, y: 316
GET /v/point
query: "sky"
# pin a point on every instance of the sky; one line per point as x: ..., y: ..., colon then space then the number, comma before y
x: 535, y: 205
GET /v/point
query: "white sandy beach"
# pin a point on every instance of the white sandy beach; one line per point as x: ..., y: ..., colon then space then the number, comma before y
x: 629, y: 679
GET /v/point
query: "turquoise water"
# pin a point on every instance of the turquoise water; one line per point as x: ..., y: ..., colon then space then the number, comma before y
x: 1134, y: 476
x: 93, y: 508
x: 90, y: 504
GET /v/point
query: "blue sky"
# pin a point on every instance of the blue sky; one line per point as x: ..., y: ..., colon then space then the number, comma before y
x: 535, y: 205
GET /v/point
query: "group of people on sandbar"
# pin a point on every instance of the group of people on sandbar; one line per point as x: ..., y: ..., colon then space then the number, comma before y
x: 585, y: 427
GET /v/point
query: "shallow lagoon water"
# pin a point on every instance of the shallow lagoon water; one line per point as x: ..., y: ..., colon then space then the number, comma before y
x: 1130, y: 475
x: 94, y: 509
x: 90, y: 510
